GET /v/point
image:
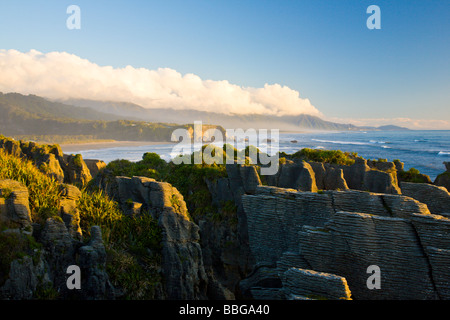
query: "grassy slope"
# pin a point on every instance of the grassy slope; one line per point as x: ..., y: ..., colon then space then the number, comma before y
x: 127, y: 239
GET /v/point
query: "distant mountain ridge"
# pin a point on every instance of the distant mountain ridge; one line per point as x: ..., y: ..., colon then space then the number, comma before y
x: 30, y: 115
x: 131, y: 111
x: 35, y: 106
x: 23, y: 115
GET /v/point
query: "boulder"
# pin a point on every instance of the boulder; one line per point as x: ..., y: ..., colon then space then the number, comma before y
x: 250, y: 178
x: 301, y: 283
x: 95, y: 166
x: 75, y: 170
x: 320, y: 172
x: 14, y: 206
x: 443, y: 179
x: 69, y: 211
x: 436, y: 198
x: 334, y: 179
x: 298, y: 176
x: 380, y: 182
x: 354, y: 174
x: 50, y: 165
x: 92, y: 262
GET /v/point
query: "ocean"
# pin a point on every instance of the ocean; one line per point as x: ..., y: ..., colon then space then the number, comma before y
x: 423, y: 150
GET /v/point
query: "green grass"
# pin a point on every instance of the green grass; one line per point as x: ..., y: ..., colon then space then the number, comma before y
x: 44, y: 191
x: 136, y: 238
x: 133, y: 244
x: 328, y: 156
x: 413, y: 175
x: 189, y: 179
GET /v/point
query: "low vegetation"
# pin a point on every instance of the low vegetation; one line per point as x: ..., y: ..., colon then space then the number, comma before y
x: 328, y: 156
x: 413, y: 175
x: 132, y: 243
x: 44, y: 191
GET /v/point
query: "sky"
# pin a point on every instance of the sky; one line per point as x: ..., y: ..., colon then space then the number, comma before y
x: 256, y: 56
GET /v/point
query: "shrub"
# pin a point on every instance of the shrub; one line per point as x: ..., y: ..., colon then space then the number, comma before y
x: 329, y: 156
x: 133, y: 244
x: 413, y: 175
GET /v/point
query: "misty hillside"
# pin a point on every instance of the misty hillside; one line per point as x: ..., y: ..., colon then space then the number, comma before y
x: 301, y: 122
x: 37, y: 107
x: 132, y: 112
x: 23, y: 116
x: 26, y: 115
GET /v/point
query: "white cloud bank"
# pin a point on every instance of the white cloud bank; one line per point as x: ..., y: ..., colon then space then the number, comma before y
x: 60, y: 75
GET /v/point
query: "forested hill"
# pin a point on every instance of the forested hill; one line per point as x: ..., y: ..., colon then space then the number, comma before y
x: 35, y: 116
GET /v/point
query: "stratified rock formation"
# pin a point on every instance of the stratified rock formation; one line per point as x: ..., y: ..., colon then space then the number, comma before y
x: 443, y: 179
x: 301, y: 284
x: 313, y: 176
x: 14, y: 207
x: 314, y: 230
x: 342, y: 234
x: 71, y: 169
x: 436, y: 198
x: 46, y: 251
x: 182, y: 261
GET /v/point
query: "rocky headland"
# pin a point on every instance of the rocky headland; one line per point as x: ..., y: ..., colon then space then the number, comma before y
x: 312, y: 231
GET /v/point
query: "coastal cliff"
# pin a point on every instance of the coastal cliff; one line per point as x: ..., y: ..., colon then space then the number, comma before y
x: 183, y: 232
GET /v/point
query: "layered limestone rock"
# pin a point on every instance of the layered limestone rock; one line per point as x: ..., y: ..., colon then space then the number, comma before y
x: 14, y: 206
x: 182, y: 262
x: 92, y: 261
x: 443, y: 179
x: 25, y: 276
x: 50, y: 160
x: 225, y: 246
x: 50, y: 165
x: 354, y: 175
x: 299, y: 176
x: 69, y: 211
x: 44, y: 252
x: 352, y: 242
x: 436, y: 198
x: 76, y: 170
x: 300, y: 284
x: 12, y: 147
x: 380, y: 177
x: 334, y: 179
x: 344, y: 233
x: 276, y: 215
x: 95, y: 166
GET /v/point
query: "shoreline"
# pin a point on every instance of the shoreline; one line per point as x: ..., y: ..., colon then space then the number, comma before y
x: 77, y: 147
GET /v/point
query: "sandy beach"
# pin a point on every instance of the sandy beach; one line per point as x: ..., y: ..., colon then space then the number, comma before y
x: 77, y: 147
